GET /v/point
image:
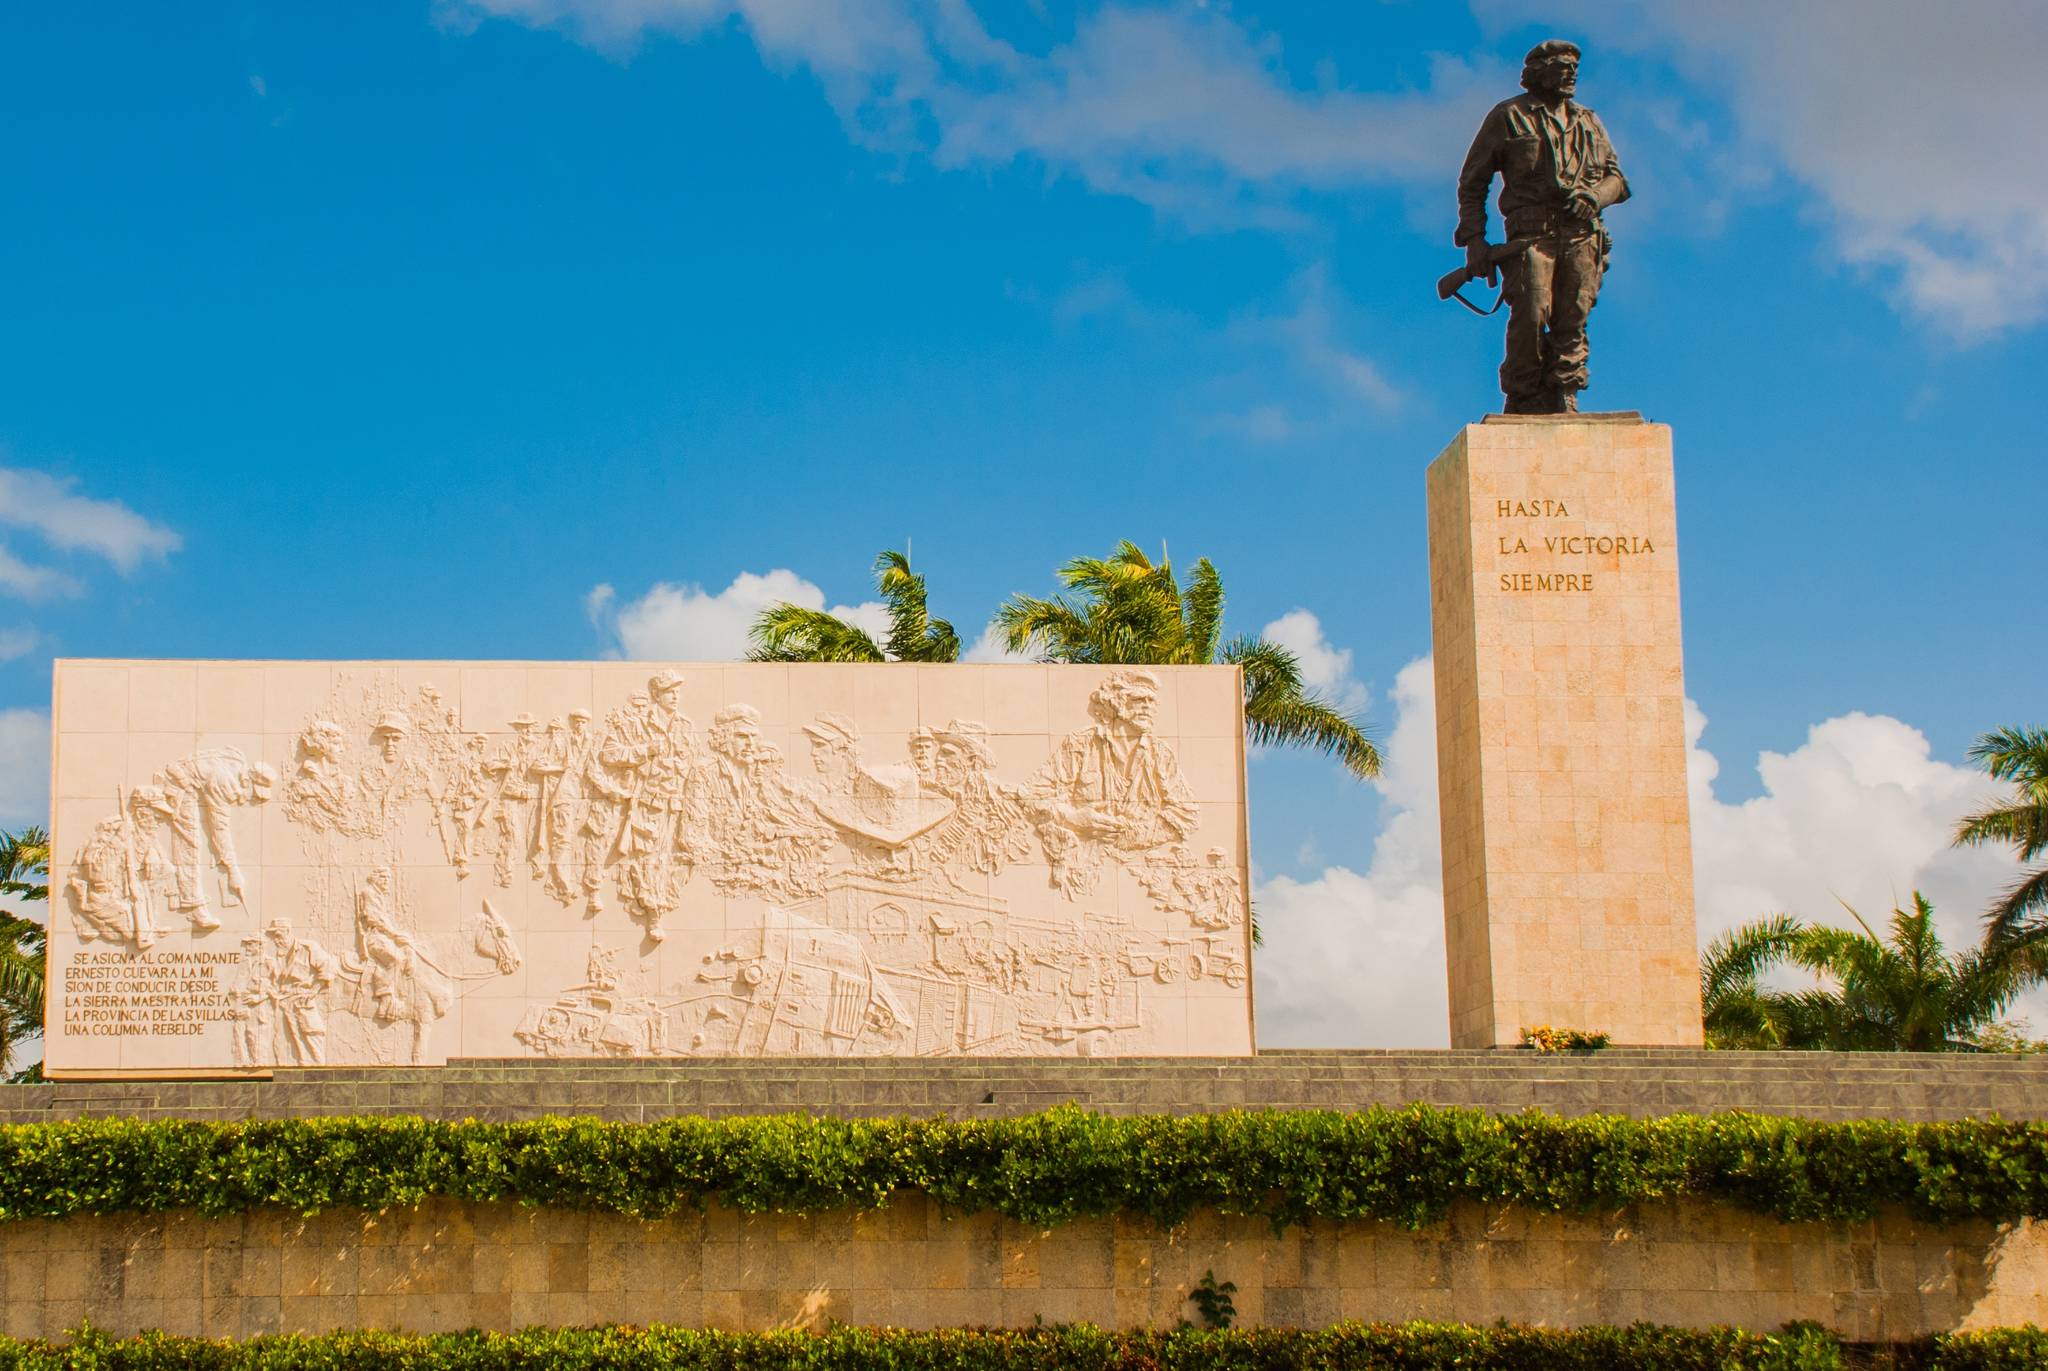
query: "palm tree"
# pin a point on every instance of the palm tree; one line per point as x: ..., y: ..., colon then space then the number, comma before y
x: 2018, y: 755
x: 1735, y: 1009
x: 24, y: 856
x: 792, y: 633
x: 1903, y: 993
x: 1130, y: 609
x: 23, y: 947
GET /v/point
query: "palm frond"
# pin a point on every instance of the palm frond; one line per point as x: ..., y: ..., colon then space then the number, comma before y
x: 1202, y: 612
x: 1277, y: 710
x: 24, y: 961
x: 1055, y: 630
x: 793, y: 633
x: 24, y: 857
x: 1267, y: 665
x: 2018, y: 756
x: 21, y: 981
x: 2013, y: 754
x: 1742, y: 954
x: 2024, y: 827
x: 914, y: 636
x: 2022, y: 909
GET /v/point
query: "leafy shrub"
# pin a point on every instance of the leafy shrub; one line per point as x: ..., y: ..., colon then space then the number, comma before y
x: 1405, y: 1166
x: 1213, y: 1302
x: 1075, y: 1347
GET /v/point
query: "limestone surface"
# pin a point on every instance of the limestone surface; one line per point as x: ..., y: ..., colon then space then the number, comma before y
x: 393, y: 863
x: 1561, y: 731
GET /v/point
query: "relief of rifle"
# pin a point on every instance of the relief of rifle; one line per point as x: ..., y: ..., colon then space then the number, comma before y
x: 1451, y: 285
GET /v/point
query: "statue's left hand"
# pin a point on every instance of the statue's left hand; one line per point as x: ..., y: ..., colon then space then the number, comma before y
x: 1584, y: 207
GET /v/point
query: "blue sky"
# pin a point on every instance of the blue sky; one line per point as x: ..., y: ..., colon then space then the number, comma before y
x: 402, y: 330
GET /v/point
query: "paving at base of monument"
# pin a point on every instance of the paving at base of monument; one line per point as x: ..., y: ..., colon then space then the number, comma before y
x: 1641, y: 1082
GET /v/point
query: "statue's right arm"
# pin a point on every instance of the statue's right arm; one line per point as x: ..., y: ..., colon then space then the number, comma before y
x: 1612, y: 187
x: 1475, y: 179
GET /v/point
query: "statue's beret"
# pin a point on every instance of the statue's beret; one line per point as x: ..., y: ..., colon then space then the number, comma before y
x: 1551, y: 47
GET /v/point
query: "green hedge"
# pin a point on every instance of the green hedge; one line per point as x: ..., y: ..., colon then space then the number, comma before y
x: 1406, y: 1166
x: 1079, y: 1347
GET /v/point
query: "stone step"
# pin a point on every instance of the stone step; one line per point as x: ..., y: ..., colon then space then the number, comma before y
x: 1640, y: 1082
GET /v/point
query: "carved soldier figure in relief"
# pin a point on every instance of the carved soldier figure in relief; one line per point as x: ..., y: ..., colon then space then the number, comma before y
x: 381, y: 946
x: 989, y: 827
x: 399, y: 980
x: 570, y: 774
x: 924, y: 756
x: 759, y: 829
x: 322, y: 795
x: 395, y: 776
x: 835, y: 752
x: 605, y: 799
x: 550, y: 765
x: 650, y: 741
x: 150, y: 807
x: 1558, y: 173
x: 302, y: 972
x: 122, y: 879
x: 514, y: 789
x: 466, y: 803
x: 203, y: 792
x: 252, y: 1006
x: 440, y: 747
x: 1222, y: 904
x: 1113, y: 786
x: 102, y: 893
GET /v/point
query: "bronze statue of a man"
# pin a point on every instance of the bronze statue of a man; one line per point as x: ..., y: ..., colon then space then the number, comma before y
x: 1558, y: 172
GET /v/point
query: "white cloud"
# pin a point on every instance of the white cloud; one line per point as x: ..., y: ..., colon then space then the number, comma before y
x: 16, y: 642
x: 1325, y: 668
x: 1357, y: 959
x: 1190, y: 111
x: 1299, y: 348
x: 24, y: 767
x: 686, y: 623
x: 1309, y: 336
x: 1860, y: 813
x: 990, y: 647
x: 1916, y: 125
x: 1265, y: 423
x: 65, y: 519
x: 1915, y: 134
x: 1184, y: 108
x: 32, y: 582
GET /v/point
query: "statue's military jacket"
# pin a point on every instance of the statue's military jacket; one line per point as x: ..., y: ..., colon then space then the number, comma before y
x: 1542, y: 159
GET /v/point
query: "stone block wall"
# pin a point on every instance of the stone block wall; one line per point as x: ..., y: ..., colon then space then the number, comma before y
x: 447, y: 1265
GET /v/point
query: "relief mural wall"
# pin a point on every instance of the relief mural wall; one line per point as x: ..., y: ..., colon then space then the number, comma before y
x: 388, y: 868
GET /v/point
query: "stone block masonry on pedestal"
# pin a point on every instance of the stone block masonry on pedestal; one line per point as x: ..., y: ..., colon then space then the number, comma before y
x: 1561, y: 731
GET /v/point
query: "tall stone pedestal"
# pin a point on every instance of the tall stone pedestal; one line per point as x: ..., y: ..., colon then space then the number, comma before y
x: 1561, y: 731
